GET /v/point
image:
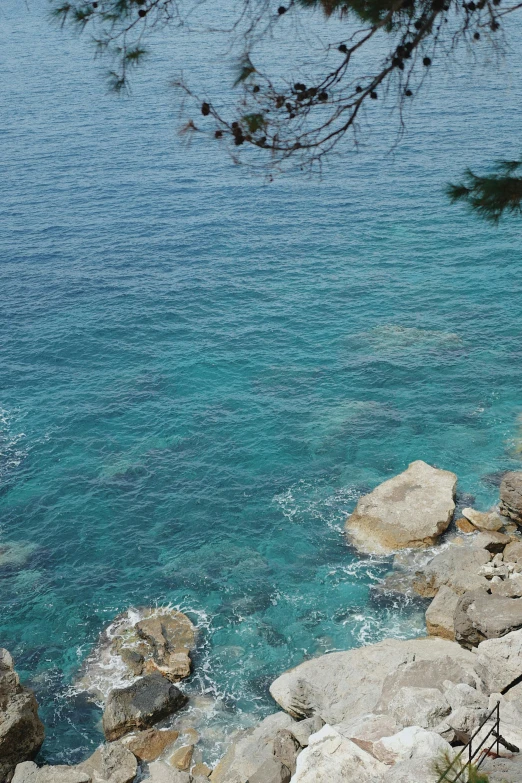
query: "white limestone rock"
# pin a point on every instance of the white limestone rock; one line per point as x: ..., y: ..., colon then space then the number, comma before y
x: 409, y: 510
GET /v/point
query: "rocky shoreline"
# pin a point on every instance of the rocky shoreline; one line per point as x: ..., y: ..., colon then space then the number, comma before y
x: 384, y: 713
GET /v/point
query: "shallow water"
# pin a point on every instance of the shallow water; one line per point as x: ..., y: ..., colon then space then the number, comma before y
x: 201, y: 372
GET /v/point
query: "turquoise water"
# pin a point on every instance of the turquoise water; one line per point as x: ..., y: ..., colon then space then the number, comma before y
x: 201, y: 371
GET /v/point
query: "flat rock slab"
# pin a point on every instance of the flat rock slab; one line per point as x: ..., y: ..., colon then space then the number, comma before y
x: 28, y: 772
x: 139, y: 706
x: 409, y: 510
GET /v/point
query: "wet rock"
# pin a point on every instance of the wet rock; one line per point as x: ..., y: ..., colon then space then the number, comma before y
x: 511, y: 496
x: 139, y: 706
x: 170, y: 635
x: 440, y: 613
x: 341, y: 686
x: 251, y: 750
x: 465, y: 526
x: 408, y: 510
x: 139, y: 642
x: 483, y: 520
x: 21, y: 730
x: 182, y: 757
x: 28, y: 772
x: 481, y: 616
x: 110, y: 764
x: 149, y: 744
x: 303, y: 729
x: 455, y: 567
x: 332, y: 757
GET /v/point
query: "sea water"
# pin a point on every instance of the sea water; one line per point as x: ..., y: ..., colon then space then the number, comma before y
x: 202, y: 371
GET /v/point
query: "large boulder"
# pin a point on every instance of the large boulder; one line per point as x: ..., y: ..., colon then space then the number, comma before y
x: 139, y: 642
x: 408, y: 510
x: 457, y: 567
x: 111, y: 763
x: 440, y: 613
x: 139, y: 706
x: 252, y: 750
x: 332, y: 758
x: 480, y: 616
x: 21, y: 730
x: 343, y: 685
x: 511, y: 496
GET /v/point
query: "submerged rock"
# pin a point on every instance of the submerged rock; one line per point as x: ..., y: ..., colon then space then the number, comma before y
x: 139, y: 706
x: 408, y: 510
x: 21, y: 730
x: 511, y: 496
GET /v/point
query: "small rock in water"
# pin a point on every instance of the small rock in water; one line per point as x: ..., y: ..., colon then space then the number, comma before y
x: 409, y: 510
x: 139, y: 706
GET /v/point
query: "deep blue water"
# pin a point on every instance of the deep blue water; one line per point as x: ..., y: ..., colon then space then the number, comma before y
x: 201, y: 372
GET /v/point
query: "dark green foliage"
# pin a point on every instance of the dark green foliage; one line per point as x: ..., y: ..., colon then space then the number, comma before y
x: 458, y: 770
x: 493, y: 195
x: 297, y: 123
